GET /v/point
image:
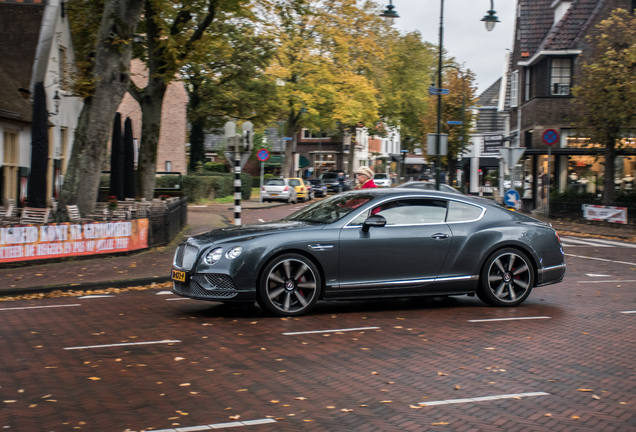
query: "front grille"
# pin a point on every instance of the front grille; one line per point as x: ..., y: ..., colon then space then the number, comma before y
x: 220, y: 281
x: 189, y: 256
x: 190, y: 288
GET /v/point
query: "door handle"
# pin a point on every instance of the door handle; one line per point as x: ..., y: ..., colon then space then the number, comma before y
x: 439, y: 236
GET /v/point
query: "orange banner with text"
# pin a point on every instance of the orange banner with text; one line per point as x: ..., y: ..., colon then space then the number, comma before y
x: 35, y: 242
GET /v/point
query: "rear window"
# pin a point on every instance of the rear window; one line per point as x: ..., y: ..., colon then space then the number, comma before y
x: 294, y: 182
x: 329, y: 176
x: 275, y: 182
x: 462, y: 212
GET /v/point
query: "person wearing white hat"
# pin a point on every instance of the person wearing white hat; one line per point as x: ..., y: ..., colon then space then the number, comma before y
x: 365, y: 175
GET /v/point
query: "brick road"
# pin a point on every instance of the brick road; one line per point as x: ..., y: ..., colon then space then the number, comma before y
x: 235, y: 361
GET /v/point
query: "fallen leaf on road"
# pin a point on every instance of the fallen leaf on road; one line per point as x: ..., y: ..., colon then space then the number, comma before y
x: 236, y: 417
x: 9, y: 401
x: 548, y: 415
x: 374, y: 373
x: 330, y: 407
x: 363, y: 406
x: 301, y: 398
x: 584, y: 390
x: 415, y: 406
x: 576, y: 417
x: 386, y: 401
x: 94, y: 378
x: 47, y: 396
x: 184, y: 385
x: 241, y: 390
x: 595, y: 397
x: 346, y: 410
x: 441, y: 374
x: 307, y: 420
x: 179, y: 358
x: 439, y: 423
x: 274, y: 401
x: 457, y: 387
x: 489, y: 348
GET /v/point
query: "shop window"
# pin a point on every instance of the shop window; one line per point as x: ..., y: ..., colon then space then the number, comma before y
x: 307, y: 134
x: 560, y: 76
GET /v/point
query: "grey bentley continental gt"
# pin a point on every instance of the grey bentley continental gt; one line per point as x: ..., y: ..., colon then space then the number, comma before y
x: 373, y: 243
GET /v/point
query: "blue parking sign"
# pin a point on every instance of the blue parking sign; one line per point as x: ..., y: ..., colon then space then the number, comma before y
x: 511, y: 198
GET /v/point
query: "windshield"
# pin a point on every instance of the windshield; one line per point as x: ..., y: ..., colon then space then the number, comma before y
x: 331, y: 209
x: 329, y: 176
x: 275, y: 182
x: 380, y: 177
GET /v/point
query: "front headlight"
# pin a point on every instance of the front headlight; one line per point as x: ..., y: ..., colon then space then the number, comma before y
x: 233, y: 252
x: 213, y: 256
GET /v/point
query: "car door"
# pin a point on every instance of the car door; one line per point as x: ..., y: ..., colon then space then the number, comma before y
x: 409, y: 251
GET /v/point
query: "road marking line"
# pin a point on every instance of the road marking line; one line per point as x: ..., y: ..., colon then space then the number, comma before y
x: 601, y: 259
x: 331, y: 331
x: 164, y: 292
x: 509, y: 319
x: 123, y: 344
x: 180, y: 298
x: 596, y: 275
x: 40, y: 307
x: 607, y: 281
x: 95, y: 296
x: 566, y: 240
x: 628, y: 312
x: 219, y: 425
x: 615, y: 243
x: 481, y: 399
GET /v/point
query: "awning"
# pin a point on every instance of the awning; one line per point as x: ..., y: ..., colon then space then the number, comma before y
x: 274, y: 161
x: 485, y: 162
x: 303, y: 161
x: 415, y: 160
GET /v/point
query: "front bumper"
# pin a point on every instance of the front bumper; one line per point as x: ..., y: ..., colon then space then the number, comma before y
x: 212, y: 287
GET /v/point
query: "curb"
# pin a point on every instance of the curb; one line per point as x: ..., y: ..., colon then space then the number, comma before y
x: 85, y: 286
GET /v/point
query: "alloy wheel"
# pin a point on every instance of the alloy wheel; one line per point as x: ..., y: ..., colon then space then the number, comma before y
x: 509, y: 278
x: 291, y: 286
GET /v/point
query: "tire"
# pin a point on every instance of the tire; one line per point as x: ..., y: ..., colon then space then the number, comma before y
x: 506, y: 279
x: 289, y: 286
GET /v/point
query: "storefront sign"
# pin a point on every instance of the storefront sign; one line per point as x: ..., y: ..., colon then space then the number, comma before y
x: 604, y: 213
x: 36, y: 242
x: 492, y: 142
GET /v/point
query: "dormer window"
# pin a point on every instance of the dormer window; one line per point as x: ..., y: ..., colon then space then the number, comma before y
x: 560, y: 8
x: 560, y: 76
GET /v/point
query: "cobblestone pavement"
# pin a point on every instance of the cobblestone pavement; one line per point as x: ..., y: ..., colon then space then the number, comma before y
x: 569, y: 368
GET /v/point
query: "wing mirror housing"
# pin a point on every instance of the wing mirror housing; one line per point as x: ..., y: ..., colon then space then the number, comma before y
x: 373, y: 221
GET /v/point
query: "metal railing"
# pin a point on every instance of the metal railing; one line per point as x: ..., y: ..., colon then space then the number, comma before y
x: 165, y: 225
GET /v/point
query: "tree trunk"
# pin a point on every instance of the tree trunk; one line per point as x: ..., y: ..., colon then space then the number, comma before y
x: 197, y: 144
x: 288, y: 170
x: 608, y: 184
x: 151, y: 104
x: 451, y: 162
x: 352, y: 157
x: 111, y: 74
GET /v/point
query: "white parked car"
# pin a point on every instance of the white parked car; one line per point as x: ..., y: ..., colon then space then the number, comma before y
x: 278, y: 189
x: 382, y: 180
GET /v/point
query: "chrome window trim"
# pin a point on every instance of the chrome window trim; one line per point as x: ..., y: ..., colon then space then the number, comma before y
x: 483, y: 210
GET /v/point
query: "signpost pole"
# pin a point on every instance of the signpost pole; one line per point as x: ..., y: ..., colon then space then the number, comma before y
x: 237, y: 182
x: 547, y: 199
x: 262, y: 175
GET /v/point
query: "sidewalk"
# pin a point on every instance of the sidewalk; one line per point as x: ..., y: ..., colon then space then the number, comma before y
x: 133, y: 269
x: 153, y: 265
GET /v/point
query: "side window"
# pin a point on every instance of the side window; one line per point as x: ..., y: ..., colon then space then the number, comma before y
x: 294, y: 182
x: 412, y: 211
x: 462, y: 212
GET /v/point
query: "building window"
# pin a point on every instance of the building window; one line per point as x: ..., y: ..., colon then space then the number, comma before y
x: 560, y: 76
x: 527, y: 74
x: 10, y: 165
x: 307, y: 134
x: 514, y: 88
x: 64, y: 149
x: 63, y: 68
x: 168, y: 166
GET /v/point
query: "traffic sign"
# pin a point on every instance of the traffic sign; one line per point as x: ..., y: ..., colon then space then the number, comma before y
x: 454, y: 122
x: 262, y: 155
x: 511, y: 198
x: 550, y: 137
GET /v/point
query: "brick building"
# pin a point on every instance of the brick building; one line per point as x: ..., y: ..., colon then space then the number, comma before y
x: 549, y: 48
x: 171, y: 153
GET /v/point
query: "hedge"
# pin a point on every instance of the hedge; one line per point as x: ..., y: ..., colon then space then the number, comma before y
x: 197, y: 187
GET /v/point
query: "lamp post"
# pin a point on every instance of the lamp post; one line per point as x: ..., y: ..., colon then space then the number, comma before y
x: 490, y: 20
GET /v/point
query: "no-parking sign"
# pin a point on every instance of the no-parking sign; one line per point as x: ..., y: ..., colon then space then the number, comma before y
x: 550, y: 137
x: 262, y: 155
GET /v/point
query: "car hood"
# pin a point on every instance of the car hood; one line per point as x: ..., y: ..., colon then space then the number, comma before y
x: 245, y: 232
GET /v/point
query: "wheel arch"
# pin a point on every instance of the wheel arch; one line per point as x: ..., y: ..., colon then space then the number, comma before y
x: 529, y: 252
x: 306, y: 254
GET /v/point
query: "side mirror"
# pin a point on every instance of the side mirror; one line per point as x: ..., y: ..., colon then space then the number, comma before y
x: 373, y: 221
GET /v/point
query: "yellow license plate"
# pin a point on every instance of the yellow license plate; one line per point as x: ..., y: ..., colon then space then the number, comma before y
x: 273, y: 194
x: 179, y: 275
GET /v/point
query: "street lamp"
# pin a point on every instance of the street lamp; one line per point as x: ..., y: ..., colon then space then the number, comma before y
x: 490, y: 19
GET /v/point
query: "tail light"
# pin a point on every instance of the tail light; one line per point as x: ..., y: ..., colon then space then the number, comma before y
x: 263, y: 187
x: 558, y: 238
x: 286, y: 188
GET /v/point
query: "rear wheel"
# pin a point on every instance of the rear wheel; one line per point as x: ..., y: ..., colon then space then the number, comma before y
x: 290, y: 286
x: 506, y: 279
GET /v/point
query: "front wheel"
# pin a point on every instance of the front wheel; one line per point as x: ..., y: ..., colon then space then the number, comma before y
x: 506, y: 279
x: 290, y: 286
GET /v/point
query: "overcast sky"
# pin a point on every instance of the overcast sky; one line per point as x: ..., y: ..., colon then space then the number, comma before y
x: 465, y: 36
